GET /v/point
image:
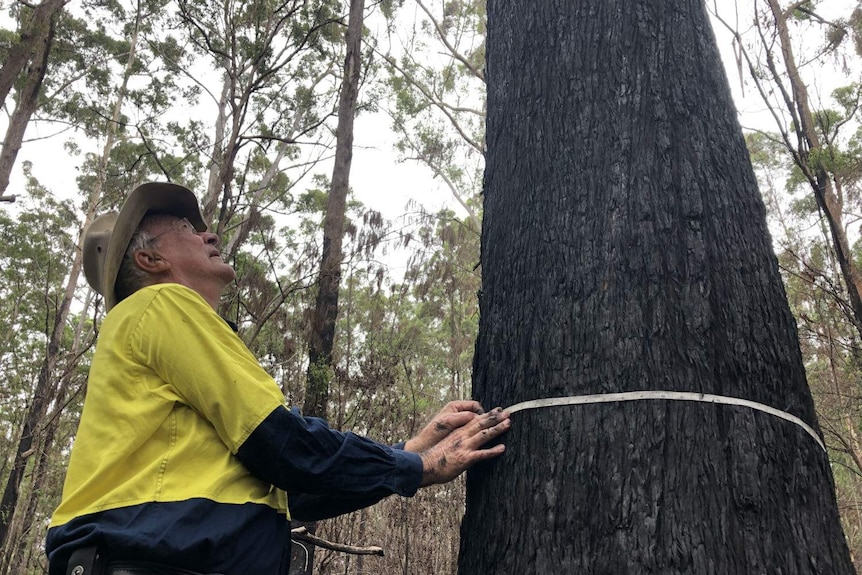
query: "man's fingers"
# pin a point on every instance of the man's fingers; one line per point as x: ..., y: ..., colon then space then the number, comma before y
x: 462, y: 448
x: 485, y: 454
x: 491, y: 452
x: 446, y: 424
x: 464, y: 405
x: 488, y: 427
x: 494, y: 416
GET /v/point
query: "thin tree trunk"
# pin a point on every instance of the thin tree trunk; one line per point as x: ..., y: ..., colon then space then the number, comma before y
x: 210, y: 199
x: 807, y: 159
x: 322, y: 332
x: 28, y: 99
x: 41, y: 21
x: 322, y: 329
x: 624, y: 248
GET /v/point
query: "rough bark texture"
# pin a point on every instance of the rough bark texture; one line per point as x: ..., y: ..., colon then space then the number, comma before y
x: 624, y: 248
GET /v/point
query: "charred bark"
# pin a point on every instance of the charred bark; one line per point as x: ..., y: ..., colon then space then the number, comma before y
x: 625, y: 248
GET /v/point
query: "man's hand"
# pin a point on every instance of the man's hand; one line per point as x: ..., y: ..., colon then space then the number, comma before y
x: 460, y: 449
x: 454, y: 415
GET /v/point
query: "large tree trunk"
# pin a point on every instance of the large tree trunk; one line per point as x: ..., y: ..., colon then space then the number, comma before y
x: 625, y: 248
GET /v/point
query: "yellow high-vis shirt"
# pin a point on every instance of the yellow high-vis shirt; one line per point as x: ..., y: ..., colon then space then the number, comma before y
x: 186, y: 450
x: 156, y: 401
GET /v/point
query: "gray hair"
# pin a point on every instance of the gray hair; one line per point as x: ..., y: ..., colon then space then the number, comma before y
x: 131, y: 278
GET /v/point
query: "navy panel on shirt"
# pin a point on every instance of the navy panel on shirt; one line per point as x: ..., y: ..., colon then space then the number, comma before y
x: 326, y: 472
x: 198, y: 534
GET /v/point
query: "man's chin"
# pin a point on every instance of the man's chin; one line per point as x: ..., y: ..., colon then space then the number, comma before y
x: 227, y: 273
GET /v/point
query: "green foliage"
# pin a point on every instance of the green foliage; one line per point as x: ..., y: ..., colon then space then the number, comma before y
x: 34, y: 262
x: 312, y: 201
x: 437, y: 93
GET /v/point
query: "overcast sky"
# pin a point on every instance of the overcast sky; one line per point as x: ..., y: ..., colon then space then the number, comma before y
x: 385, y: 185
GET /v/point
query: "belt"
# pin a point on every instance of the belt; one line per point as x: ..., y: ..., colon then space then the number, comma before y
x: 90, y: 561
x: 146, y: 568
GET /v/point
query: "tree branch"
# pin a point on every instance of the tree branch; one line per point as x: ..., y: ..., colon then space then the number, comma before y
x: 452, y: 50
x: 302, y: 534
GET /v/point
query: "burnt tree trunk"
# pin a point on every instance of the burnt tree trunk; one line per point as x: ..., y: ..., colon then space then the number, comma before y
x: 625, y: 248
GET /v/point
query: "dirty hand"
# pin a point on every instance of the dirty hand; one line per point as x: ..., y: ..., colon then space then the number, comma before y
x: 461, y: 448
x: 454, y: 415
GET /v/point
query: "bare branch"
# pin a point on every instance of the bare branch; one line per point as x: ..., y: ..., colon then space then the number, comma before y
x: 436, y: 102
x: 455, y: 54
x: 302, y: 534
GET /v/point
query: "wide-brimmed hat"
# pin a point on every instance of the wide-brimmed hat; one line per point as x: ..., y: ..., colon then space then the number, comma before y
x: 107, y: 238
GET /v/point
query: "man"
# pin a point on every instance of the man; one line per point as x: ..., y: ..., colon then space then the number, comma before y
x: 186, y: 454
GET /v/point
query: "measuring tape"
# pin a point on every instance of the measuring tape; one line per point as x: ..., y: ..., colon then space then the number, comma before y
x: 671, y: 395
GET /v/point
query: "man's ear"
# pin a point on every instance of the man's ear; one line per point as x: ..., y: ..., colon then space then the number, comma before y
x: 151, y: 262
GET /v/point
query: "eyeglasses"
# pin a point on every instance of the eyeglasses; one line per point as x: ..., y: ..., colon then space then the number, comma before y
x: 183, y: 226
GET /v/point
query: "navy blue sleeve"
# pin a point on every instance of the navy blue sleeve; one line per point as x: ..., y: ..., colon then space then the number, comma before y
x: 326, y: 472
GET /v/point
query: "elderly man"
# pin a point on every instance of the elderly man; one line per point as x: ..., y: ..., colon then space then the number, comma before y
x: 186, y: 453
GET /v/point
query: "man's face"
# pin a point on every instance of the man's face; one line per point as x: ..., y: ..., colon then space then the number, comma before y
x: 193, y: 258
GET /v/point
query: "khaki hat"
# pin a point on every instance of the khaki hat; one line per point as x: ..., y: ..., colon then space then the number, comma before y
x: 107, y: 237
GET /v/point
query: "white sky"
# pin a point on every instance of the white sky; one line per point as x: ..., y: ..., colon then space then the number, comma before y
x: 387, y: 186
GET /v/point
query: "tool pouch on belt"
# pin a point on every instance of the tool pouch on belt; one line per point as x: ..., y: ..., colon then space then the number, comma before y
x: 86, y: 561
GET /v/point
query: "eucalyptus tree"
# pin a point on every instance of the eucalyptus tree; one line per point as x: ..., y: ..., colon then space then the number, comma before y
x: 323, y: 316
x: 625, y: 249
x: 436, y: 93
x: 34, y: 265
x: 325, y: 313
x: 274, y: 63
x: 26, y: 63
x: 79, y: 81
x: 813, y: 127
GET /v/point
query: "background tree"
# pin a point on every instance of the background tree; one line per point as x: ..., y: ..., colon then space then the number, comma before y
x: 34, y: 269
x: 625, y: 248
x: 796, y: 62
x: 26, y: 62
x: 437, y: 91
x: 37, y: 429
x: 323, y: 318
x: 272, y: 58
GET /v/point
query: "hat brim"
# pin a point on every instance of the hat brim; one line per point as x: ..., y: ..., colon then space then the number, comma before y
x: 150, y: 198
